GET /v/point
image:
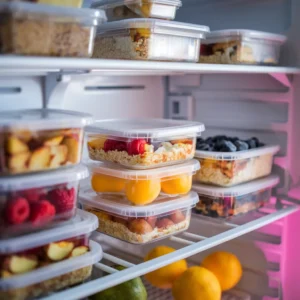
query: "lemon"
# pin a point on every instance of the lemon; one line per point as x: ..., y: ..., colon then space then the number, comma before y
x: 177, y: 185
x: 107, y: 184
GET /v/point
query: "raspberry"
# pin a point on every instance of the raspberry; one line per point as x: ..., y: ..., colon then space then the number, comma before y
x: 17, y: 210
x: 32, y: 195
x: 41, y: 212
x: 110, y: 145
x: 136, y: 147
x: 62, y: 199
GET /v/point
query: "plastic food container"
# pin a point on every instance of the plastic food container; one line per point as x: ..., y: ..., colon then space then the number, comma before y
x: 40, y: 139
x: 33, y: 202
x: 69, y: 3
x: 218, y: 202
x: 235, y: 46
x: 143, y: 143
x: 230, y: 168
x: 149, y: 39
x: 139, y: 224
x: 47, y: 30
x: 127, y: 9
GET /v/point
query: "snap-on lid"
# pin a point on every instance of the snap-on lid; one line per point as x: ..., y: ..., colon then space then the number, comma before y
x: 104, y: 4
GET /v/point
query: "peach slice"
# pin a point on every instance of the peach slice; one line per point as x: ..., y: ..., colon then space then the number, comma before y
x: 151, y: 220
x: 59, y: 155
x: 59, y: 251
x: 17, y: 163
x: 164, y: 223
x: 21, y: 264
x: 97, y: 143
x: 39, y: 159
x: 177, y: 216
x: 15, y: 145
x: 79, y: 251
x: 140, y: 226
x: 54, y: 141
x: 73, y: 149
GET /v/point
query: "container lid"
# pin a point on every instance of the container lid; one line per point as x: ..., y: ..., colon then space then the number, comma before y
x: 42, y: 119
x: 118, y: 205
x: 237, y: 155
x: 156, y: 26
x: 104, y: 4
x: 53, y: 270
x: 17, y: 183
x: 145, y: 128
x: 239, y: 190
x: 189, y: 167
x: 83, y: 223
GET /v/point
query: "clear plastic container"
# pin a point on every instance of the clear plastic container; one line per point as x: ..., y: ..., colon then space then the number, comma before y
x: 34, y: 202
x: 149, y: 39
x: 235, y: 46
x: 127, y: 9
x: 47, y: 30
x: 40, y: 139
x: 143, y: 143
x: 139, y: 224
x: 218, y: 202
x: 230, y: 168
x: 69, y: 3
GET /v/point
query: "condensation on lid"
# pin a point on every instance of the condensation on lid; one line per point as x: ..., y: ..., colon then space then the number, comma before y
x: 145, y: 128
x: 237, y: 155
x: 239, y: 190
x: 103, y: 4
x: 118, y: 205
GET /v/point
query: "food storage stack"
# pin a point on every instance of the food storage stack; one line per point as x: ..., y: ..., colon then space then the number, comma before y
x: 44, y: 240
x: 141, y: 177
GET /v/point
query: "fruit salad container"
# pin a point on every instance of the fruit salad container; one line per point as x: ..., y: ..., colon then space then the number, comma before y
x: 36, y: 140
x: 242, y: 47
x: 127, y: 9
x: 47, y: 30
x: 219, y: 202
x: 139, y: 224
x: 149, y: 39
x: 143, y: 143
x: 33, y: 202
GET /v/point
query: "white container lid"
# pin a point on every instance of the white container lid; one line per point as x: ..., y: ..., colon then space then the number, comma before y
x: 156, y: 26
x: 237, y: 155
x: 53, y: 270
x: 145, y: 128
x: 118, y: 205
x: 190, y: 167
x: 43, y: 119
x: 104, y: 4
x: 44, y: 179
x: 239, y: 190
x: 83, y: 223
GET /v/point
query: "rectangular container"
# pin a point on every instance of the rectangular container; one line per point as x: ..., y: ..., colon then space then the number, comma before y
x: 127, y: 9
x: 141, y: 187
x: 149, y: 39
x: 40, y: 139
x: 69, y: 3
x: 231, y: 168
x: 235, y: 46
x: 218, y: 202
x: 34, y: 202
x: 47, y: 30
x: 139, y: 224
x: 143, y: 143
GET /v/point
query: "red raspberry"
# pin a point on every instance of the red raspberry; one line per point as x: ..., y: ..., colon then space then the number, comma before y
x: 136, y: 147
x: 41, y: 212
x: 32, y: 195
x: 17, y: 210
x: 63, y: 199
x: 110, y: 145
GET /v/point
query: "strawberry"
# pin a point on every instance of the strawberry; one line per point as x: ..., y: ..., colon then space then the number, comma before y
x: 32, y: 195
x: 136, y: 147
x: 17, y: 210
x: 41, y: 212
x: 63, y: 199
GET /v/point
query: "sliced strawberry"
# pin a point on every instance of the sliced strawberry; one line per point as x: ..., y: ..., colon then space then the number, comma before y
x: 17, y: 210
x: 136, y: 147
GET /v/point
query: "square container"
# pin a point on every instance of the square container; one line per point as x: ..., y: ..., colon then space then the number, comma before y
x: 231, y: 168
x: 127, y: 9
x: 40, y: 139
x: 218, y: 202
x: 47, y: 30
x: 143, y: 143
x: 149, y: 39
x: 139, y: 224
x: 34, y: 202
x: 236, y: 46
x: 142, y: 187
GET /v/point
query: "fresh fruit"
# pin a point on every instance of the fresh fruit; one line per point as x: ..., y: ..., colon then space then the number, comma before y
x: 178, y: 185
x: 32, y: 195
x: 58, y: 251
x: 39, y: 159
x: 140, y: 226
x: 107, y: 184
x: 18, y: 162
x: 63, y: 199
x: 177, y: 216
x: 6, y: 274
x: 196, y: 283
x: 20, y: 264
x: 164, y: 223
x: 15, y: 145
x: 141, y: 192
x: 136, y: 147
x: 17, y: 210
x: 226, y: 267
x: 54, y: 141
x: 164, y: 277
x: 74, y: 149
x: 80, y: 250
x: 120, y: 221
x: 111, y: 145
x: 58, y: 155
x: 97, y: 143
x: 41, y: 212
x: 151, y: 220
x: 100, y: 214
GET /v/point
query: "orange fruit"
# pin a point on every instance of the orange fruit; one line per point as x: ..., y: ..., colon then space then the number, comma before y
x: 177, y: 185
x: 197, y: 283
x: 226, y: 267
x: 97, y: 143
x: 164, y: 277
x: 107, y: 184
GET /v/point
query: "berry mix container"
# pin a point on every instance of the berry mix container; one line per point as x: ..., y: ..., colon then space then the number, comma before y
x: 47, y: 30
x: 127, y: 9
x: 40, y: 139
x: 220, y: 202
x: 139, y: 224
x: 44, y: 262
x: 33, y: 202
x: 149, y: 39
x: 235, y: 46
x: 143, y: 143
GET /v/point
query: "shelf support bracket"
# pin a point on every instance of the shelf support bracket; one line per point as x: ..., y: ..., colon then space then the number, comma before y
x: 284, y: 79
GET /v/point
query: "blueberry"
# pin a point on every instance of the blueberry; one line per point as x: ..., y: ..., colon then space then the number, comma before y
x: 228, y: 146
x: 219, y: 138
x: 209, y: 140
x: 200, y: 140
x: 241, y: 146
x: 256, y: 140
x: 234, y: 139
x: 203, y: 146
x: 261, y: 144
x: 251, y: 143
